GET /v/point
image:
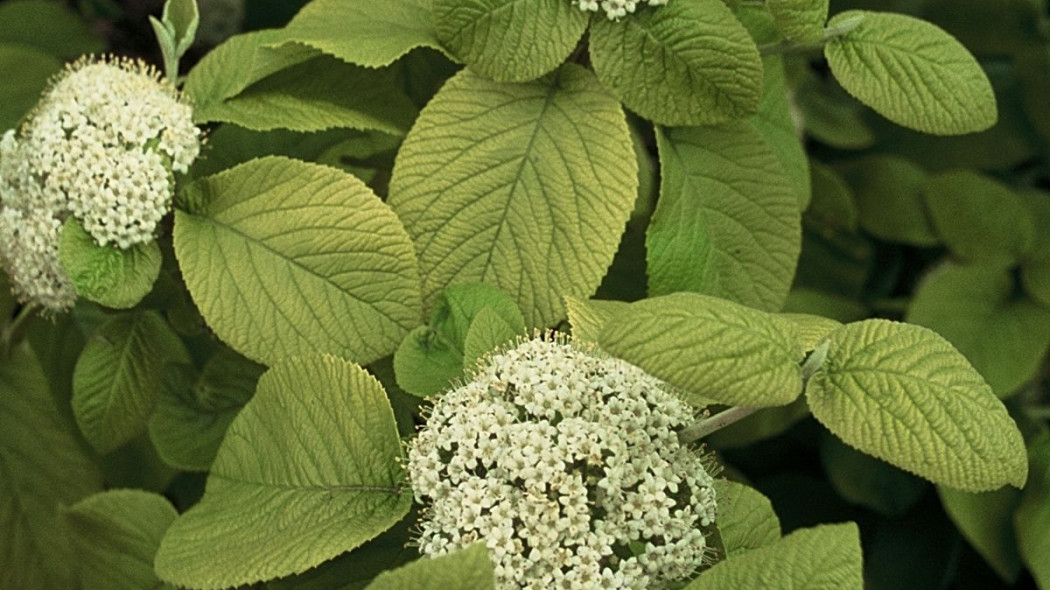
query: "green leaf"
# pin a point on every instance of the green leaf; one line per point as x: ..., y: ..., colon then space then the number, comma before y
x: 42, y: 466
x: 287, y: 258
x: 182, y: 18
x: 525, y: 187
x: 487, y: 332
x: 115, y: 535
x: 889, y: 197
x: 588, y: 316
x: 509, y: 40
x: 278, y: 502
x: 1032, y: 517
x: 911, y: 72
x: 117, y: 380
x: 362, y: 32
x: 459, y: 305
x: 903, y: 394
x: 986, y: 520
x: 685, y: 63
x: 867, y: 481
x: 826, y: 556
x: 465, y: 569
x: 25, y: 71
x: 426, y: 362
x: 710, y: 347
x: 975, y: 308
x: 49, y: 26
x: 746, y: 519
x: 776, y: 123
x: 979, y: 219
x: 727, y: 222
x: 831, y: 116
x: 108, y: 275
x: 1035, y: 268
x: 812, y: 302
x: 811, y: 329
x: 801, y: 21
x: 832, y: 203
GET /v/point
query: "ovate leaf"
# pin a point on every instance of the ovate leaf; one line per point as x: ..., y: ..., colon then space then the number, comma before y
x: 487, y: 332
x: 903, y: 394
x: 986, y: 520
x: 117, y: 380
x: 526, y: 187
x: 801, y: 21
x: 459, y: 305
x: 286, y: 258
x: 115, y: 535
x: 827, y: 556
x: 1032, y: 518
x: 588, y: 317
x: 685, y: 63
x: 426, y: 362
x: 108, y: 275
x: 727, y: 222
x: 712, y: 348
x: 308, y: 470
x: 911, y: 72
x: 465, y: 569
x: 42, y: 466
x: 509, y: 40
x: 746, y: 519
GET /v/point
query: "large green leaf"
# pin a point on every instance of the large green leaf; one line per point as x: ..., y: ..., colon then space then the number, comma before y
x: 727, y: 222
x: 308, y: 470
x: 115, y: 535
x: 42, y: 466
x: 588, y: 317
x: 48, y: 26
x: 712, y: 348
x: 287, y: 258
x: 686, y: 63
x: 903, y: 394
x: 911, y: 72
x: 986, y: 520
x: 746, y: 519
x: 889, y: 199
x: 363, y: 32
x: 526, y: 187
x: 108, y: 275
x: 1032, y: 517
x: 25, y: 71
x: 465, y: 569
x: 801, y: 21
x: 776, y: 123
x: 818, y: 558
x: 975, y: 308
x: 509, y: 40
x: 117, y: 380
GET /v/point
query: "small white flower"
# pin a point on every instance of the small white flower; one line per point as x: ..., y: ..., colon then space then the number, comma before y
x: 615, y: 9
x: 564, y: 464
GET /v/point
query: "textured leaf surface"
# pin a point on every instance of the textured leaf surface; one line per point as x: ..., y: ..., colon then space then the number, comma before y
x: 710, y: 347
x: 286, y: 258
x: 42, y: 466
x: 727, y: 222
x: 986, y: 520
x: 975, y: 308
x: 903, y: 394
x: 745, y: 518
x: 115, y: 535
x: 889, y: 198
x: 685, y: 63
x: 525, y: 187
x: 1032, y: 518
x: 466, y: 569
x: 801, y: 21
x: 117, y: 380
x: 588, y: 316
x: 104, y: 274
x: 819, y: 558
x: 912, y: 72
x: 509, y: 40
x: 26, y: 71
x: 309, y: 469
x: 812, y: 329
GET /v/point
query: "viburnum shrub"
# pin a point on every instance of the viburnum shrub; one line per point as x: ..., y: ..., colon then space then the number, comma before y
x: 523, y: 294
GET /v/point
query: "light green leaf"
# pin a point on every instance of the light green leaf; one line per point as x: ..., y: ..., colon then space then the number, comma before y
x: 459, y: 305
x: 801, y: 21
x: 889, y: 199
x: 727, y: 222
x: 1032, y: 517
x: 826, y: 556
x: 975, y: 308
x: 1035, y: 268
x: 588, y: 316
x: 903, y: 394
x: 308, y: 470
x: 911, y: 72
x: 426, y: 362
x: 115, y: 535
x: 986, y: 520
x: 48, y: 26
x: 117, y: 380
x: 287, y: 258
x: 104, y: 274
x: 710, y: 347
x: 867, y: 481
x: 42, y: 466
x: 363, y: 32
x: 979, y: 219
x: 525, y: 187
x: 776, y: 123
x: 465, y: 569
x: 183, y: 18
x: 510, y: 40
x: 487, y: 332
x: 685, y: 63
x: 812, y: 329
x: 25, y: 71
x: 745, y: 518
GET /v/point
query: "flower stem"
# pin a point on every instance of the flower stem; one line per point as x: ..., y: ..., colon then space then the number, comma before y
x: 11, y: 329
x: 699, y: 430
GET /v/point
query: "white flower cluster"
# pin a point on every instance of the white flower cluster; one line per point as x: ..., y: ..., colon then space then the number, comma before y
x: 568, y: 467
x: 101, y: 146
x: 615, y: 9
